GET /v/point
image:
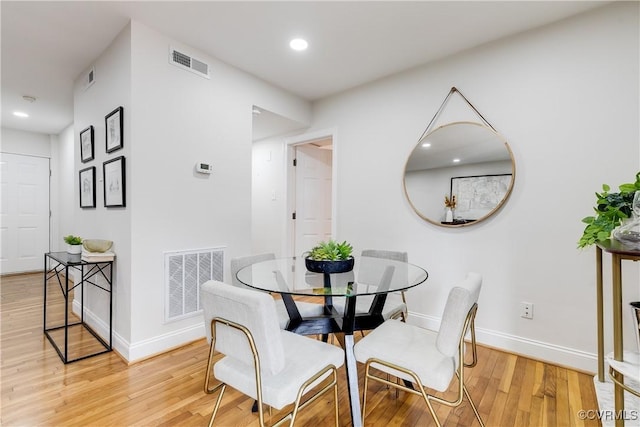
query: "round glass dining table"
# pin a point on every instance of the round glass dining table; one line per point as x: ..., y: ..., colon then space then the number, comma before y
x: 370, y: 276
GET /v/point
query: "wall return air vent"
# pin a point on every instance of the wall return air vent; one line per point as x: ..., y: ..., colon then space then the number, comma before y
x: 184, y: 272
x: 188, y: 62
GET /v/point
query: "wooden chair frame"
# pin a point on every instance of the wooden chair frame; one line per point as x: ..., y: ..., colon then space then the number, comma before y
x: 462, y: 389
x: 333, y: 382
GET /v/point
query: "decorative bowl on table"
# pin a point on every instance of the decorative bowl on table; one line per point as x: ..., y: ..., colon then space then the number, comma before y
x: 329, y: 266
x: 97, y: 245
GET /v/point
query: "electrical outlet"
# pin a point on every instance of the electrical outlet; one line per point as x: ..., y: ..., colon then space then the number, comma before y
x: 526, y: 310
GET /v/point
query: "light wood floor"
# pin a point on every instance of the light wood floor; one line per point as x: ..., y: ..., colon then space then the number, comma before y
x: 38, y: 389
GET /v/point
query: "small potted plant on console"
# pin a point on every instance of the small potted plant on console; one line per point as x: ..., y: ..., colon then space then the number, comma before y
x: 74, y: 244
x: 330, y: 257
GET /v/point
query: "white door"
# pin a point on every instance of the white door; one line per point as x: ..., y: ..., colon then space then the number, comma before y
x: 312, y: 196
x: 24, y: 212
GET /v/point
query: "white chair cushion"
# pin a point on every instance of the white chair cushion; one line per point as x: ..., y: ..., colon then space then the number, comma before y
x: 411, y: 347
x: 393, y: 306
x: 238, y: 263
x: 254, y: 310
x: 304, y: 357
x: 460, y: 300
x: 306, y: 309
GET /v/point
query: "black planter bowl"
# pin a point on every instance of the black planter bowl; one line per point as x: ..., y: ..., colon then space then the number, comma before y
x: 330, y: 267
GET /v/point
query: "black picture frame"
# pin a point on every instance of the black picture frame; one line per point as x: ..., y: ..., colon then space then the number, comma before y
x: 87, y: 187
x: 114, y: 183
x: 113, y: 130
x: 87, y: 145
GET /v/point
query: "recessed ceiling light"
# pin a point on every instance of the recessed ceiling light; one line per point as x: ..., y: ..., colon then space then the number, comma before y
x: 298, y: 44
x: 456, y: 160
x: 20, y: 114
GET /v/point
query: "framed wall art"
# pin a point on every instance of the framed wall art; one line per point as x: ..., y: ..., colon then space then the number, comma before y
x: 86, y: 144
x: 114, y: 182
x: 478, y: 195
x: 113, y: 128
x: 88, y: 187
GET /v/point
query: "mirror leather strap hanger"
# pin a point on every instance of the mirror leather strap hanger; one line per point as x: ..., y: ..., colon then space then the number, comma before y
x: 443, y: 105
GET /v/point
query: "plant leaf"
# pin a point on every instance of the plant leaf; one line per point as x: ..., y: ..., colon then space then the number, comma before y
x: 588, y: 219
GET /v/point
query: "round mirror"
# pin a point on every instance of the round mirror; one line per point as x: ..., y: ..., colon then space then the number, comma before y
x: 459, y: 174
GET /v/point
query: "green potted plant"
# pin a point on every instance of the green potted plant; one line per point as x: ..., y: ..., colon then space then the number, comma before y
x: 330, y: 257
x: 74, y: 244
x: 611, y: 210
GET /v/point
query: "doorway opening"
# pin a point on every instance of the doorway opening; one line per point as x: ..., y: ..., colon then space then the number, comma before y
x: 311, y: 183
x: 277, y: 142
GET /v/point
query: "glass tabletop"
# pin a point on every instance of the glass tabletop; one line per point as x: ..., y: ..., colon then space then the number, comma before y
x: 370, y: 276
x: 65, y: 258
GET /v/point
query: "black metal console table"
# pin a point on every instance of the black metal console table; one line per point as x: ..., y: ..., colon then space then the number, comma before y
x: 56, y: 263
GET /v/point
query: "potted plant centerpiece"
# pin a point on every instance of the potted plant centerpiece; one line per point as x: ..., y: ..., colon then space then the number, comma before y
x: 330, y: 257
x: 74, y: 244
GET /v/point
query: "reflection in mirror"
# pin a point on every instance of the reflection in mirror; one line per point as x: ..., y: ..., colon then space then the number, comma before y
x: 467, y: 160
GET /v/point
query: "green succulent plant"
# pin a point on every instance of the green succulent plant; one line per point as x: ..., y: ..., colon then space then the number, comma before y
x: 611, y: 209
x: 330, y: 251
x: 73, y: 240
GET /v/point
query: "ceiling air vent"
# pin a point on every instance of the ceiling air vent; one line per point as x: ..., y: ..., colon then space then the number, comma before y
x: 188, y: 62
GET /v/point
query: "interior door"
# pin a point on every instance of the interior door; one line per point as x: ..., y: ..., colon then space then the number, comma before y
x: 24, y: 212
x: 312, y: 196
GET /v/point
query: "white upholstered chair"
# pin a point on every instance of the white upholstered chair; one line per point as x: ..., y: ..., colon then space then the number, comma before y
x: 273, y: 366
x: 427, y: 358
x: 395, y: 305
x: 306, y: 309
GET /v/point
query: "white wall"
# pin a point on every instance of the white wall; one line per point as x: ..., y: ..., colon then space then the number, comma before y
x: 64, y: 186
x: 172, y: 118
x: 111, y: 89
x: 566, y: 99
x: 268, y: 196
x: 26, y: 143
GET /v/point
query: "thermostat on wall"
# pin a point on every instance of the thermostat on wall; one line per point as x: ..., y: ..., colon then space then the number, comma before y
x: 204, y: 167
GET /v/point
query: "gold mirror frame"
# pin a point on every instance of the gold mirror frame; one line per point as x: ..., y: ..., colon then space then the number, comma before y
x: 469, y: 146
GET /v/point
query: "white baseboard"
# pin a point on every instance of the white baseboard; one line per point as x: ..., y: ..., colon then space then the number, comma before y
x: 142, y: 349
x: 100, y: 327
x: 160, y: 344
x: 547, y: 352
